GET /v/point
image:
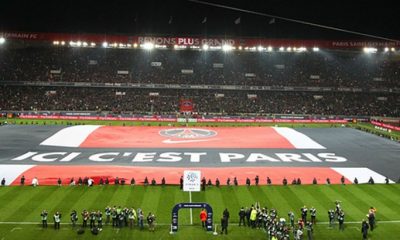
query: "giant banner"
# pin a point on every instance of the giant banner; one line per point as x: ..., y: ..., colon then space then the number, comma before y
x: 186, y: 105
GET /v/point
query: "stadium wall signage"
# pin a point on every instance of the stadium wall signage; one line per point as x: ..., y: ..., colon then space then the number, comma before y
x: 194, y: 41
x: 205, y: 87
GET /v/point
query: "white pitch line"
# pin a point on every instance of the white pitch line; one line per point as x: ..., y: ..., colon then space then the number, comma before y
x: 168, y: 224
x: 191, y: 212
x: 16, y: 228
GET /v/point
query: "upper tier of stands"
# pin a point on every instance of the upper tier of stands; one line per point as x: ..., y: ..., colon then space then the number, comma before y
x: 323, y: 68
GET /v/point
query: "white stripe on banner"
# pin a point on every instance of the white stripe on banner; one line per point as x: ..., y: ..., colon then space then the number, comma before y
x: 70, y: 136
x: 11, y: 172
x: 297, y: 139
x: 362, y: 175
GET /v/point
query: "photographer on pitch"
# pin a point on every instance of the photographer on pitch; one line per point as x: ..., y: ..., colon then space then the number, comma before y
x: 57, y: 220
x: 43, y: 216
x: 74, y: 218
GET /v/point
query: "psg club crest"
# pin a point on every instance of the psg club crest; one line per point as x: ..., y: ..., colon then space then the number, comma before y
x: 188, y: 133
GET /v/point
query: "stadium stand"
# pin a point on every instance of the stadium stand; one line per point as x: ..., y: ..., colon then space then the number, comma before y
x: 232, y: 103
x: 328, y: 68
x: 330, y: 82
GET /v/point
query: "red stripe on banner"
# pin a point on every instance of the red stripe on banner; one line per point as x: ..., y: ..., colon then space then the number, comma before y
x: 150, y: 137
x: 48, y: 175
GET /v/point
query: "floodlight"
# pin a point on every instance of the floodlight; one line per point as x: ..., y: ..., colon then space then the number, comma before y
x: 63, y: 43
x: 289, y: 49
x: 78, y: 43
x: 85, y: 44
x: 281, y: 49
x: 370, y: 50
x: 2, y: 40
x: 92, y: 44
x: 240, y: 47
x: 386, y: 49
x: 302, y: 49
x: 392, y: 49
x: 56, y: 42
x: 205, y: 47
x: 135, y: 45
x: 105, y: 44
x: 227, y: 47
x: 315, y: 49
x: 260, y: 48
x: 269, y: 49
x: 148, y: 46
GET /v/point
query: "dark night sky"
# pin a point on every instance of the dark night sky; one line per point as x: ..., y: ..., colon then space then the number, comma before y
x: 151, y: 17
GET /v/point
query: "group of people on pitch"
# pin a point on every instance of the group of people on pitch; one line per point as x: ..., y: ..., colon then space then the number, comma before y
x: 117, y: 217
x: 224, y: 220
x: 267, y: 219
x: 371, y: 224
x: 277, y: 228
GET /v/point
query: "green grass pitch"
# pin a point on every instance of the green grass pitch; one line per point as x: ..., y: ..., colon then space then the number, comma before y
x: 20, y: 209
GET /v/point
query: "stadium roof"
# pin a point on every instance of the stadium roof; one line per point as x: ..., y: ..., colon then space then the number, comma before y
x: 190, y: 17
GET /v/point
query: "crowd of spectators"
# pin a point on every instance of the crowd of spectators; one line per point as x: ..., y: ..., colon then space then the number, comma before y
x: 205, y: 101
x: 337, y: 69
x: 324, y: 68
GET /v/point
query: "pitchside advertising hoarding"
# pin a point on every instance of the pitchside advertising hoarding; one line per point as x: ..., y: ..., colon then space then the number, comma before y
x: 384, y: 125
x: 191, y: 181
x: 277, y: 119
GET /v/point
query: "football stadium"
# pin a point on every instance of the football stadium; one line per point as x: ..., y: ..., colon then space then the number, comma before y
x: 210, y: 128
